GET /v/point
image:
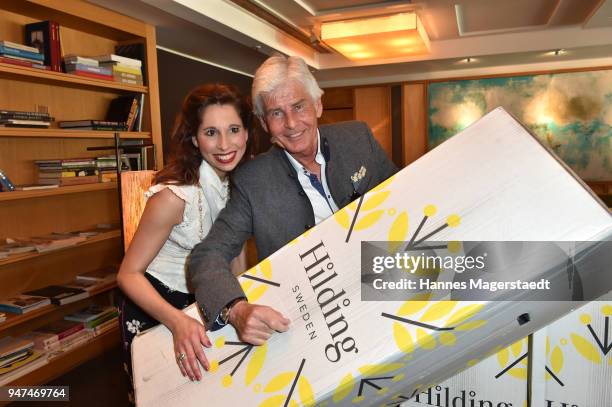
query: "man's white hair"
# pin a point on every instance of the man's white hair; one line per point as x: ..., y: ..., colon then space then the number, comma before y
x: 278, y: 70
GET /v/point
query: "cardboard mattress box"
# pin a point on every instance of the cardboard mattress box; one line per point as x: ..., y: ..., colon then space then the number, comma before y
x: 493, y: 182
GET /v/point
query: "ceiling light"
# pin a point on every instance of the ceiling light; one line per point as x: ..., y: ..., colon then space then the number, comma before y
x: 389, y: 36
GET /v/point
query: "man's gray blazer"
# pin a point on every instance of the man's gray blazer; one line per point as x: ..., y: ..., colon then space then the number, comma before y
x: 267, y: 202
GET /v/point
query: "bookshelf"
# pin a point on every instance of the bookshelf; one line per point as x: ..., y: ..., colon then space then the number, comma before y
x: 85, y: 29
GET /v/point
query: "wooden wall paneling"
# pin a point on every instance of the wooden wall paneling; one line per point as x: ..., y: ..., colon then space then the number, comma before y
x: 134, y: 184
x: 414, y: 121
x: 373, y: 106
x: 60, y: 213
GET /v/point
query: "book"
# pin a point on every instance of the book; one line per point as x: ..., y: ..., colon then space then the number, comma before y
x: 34, y: 360
x: 123, y: 109
x: 92, y: 313
x: 43, y: 341
x: 24, y: 123
x: 25, y: 115
x: 13, y: 246
x: 61, y: 328
x: 8, y: 59
x: 33, y: 56
x: 77, y: 59
x: 70, y: 124
x: 25, y: 358
x: 5, y: 182
x: 59, y: 294
x: 23, y: 303
x: 10, y: 346
x: 10, y: 44
x: 31, y: 187
x: 135, y: 51
x: 50, y: 242
x: 104, y: 274
x: 132, y: 62
x: 69, y: 181
x: 71, y: 67
x: 43, y: 35
x: 93, y: 75
x: 2, y: 314
x: 105, y: 326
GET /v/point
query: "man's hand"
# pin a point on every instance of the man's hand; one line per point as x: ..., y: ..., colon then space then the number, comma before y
x: 256, y: 323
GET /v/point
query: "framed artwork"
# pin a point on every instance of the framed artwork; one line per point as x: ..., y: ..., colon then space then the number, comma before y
x: 569, y: 112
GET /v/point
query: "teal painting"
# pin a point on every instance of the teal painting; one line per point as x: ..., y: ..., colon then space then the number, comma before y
x: 569, y: 112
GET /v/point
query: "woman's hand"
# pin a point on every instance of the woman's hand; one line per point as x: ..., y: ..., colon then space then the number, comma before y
x: 189, y: 337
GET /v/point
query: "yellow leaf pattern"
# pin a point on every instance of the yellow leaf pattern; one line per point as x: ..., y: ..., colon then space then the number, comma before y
x: 438, y: 310
x: 375, y: 200
x: 256, y: 363
x: 380, y: 369
x: 556, y: 360
x: 305, y: 392
x: 402, y: 338
x: 343, y: 218
x: 585, y: 348
x: 369, y: 220
x: 344, y: 389
x: 464, y: 313
x: 412, y: 307
x: 424, y: 339
x: 398, y: 232
x: 274, y: 401
x: 279, y: 382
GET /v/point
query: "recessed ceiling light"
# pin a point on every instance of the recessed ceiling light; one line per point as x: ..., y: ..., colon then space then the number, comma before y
x: 557, y: 52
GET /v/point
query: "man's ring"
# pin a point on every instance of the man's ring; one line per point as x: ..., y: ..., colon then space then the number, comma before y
x: 181, y: 356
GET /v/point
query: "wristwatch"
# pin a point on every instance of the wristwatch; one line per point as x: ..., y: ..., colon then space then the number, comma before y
x: 223, y: 318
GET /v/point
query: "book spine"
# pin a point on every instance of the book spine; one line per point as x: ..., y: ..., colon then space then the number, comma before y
x: 15, y: 45
x: 93, y: 75
x: 70, y: 331
x: 21, y: 53
x: 132, y: 115
x: 88, y: 68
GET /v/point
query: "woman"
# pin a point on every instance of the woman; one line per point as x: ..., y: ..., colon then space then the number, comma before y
x: 210, y: 139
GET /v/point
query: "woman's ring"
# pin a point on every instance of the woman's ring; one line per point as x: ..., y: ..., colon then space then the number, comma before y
x: 181, y: 356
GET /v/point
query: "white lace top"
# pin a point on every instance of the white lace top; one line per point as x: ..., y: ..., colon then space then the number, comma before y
x: 203, y: 203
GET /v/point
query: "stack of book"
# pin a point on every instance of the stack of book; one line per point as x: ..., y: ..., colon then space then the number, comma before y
x: 82, y: 66
x: 124, y: 69
x: 22, y: 55
x: 59, y: 294
x: 18, y: 357
x: 23, y: 303
x: 91, y: 124
x: 69, y: 335
x: 96, y: 319
x: 102, y: 275
x: 71, y: 171
x: 18, y: 118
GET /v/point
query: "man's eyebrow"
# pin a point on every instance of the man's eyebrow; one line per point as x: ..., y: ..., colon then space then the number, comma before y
x: 299, y: 102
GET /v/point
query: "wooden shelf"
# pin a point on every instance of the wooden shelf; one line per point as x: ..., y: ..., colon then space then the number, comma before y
x: 68, y: 79
x: 16, y: 319
x: 64, y: 133
x: 42, y: 193
x: 31, y: 255
x: 70, y: 359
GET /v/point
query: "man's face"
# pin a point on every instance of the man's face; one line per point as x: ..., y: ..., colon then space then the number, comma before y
x: 291, y: 119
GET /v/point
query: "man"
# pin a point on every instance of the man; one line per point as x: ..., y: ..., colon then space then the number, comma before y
x: 283, y: 192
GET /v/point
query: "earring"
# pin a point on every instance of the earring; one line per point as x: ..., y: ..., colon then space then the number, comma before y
x: 195, y: 142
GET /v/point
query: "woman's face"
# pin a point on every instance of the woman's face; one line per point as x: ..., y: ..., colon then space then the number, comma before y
x: 221, y: 138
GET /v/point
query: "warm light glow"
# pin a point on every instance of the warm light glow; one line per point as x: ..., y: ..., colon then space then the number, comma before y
x: 350, y: 47
x: 390, y: 36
